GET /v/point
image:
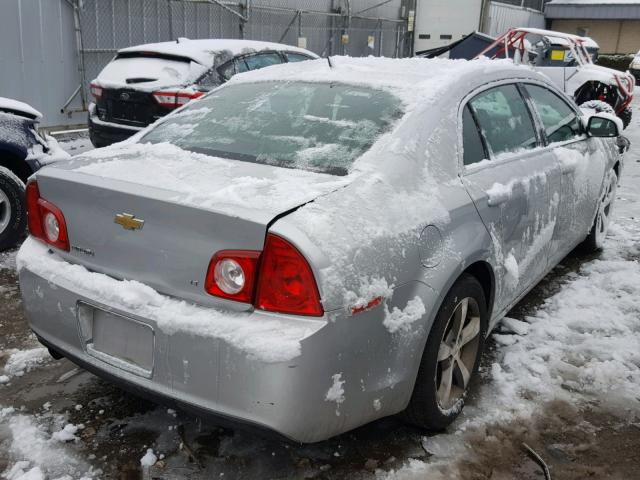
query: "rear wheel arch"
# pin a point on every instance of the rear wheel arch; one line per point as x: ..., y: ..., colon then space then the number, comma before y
x: 15, y: 164
x: 483, y: 272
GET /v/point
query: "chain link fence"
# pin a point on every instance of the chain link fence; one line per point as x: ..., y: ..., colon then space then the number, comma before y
x: 327, y: 27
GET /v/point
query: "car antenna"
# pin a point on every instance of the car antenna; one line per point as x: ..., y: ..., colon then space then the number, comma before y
x: 329, y: 60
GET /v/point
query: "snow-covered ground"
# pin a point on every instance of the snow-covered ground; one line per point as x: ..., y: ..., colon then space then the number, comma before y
x: 562, y: 375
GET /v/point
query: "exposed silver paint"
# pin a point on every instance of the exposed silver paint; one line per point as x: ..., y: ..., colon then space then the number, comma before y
x: 177, y: 242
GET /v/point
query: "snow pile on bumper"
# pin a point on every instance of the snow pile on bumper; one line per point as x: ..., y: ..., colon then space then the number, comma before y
x: 263, y: 337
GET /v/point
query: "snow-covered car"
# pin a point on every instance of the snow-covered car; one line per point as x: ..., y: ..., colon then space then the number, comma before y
x: 22, y: 151
x: 634, y: 67
x: 143, y: 83
x: 319, y: 245
x: 568, y: 61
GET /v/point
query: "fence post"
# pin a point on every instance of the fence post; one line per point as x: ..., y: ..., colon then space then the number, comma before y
x: 170, y: 20
x: 79, y: 52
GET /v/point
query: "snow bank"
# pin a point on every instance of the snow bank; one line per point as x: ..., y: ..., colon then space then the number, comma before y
x: 265, y: 338
x: 34, y: 454
x: 22, y: 361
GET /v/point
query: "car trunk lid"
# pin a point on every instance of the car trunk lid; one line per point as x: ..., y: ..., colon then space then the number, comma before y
x: 124, y: 220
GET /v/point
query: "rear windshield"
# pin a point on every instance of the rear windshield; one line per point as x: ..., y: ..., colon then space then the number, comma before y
x: 310, y: 126
x: 140, y: 67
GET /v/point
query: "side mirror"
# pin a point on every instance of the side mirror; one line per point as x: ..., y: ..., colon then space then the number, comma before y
x: 600, y: 126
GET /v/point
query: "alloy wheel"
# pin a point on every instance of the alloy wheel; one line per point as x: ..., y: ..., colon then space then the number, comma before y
x: 457, y: 353
x: 5, y: 211
x: 605, y: 208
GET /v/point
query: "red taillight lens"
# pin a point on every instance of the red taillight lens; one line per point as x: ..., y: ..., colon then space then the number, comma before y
x: 232, y: 274
x: 280, y: 277
x: 33, y: 211
x: 286, y: 283
x: 173, y: 99
x: 46, y: 221
x: 96, y: 91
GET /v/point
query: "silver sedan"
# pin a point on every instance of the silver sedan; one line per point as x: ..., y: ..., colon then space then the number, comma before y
x: 314, y: 246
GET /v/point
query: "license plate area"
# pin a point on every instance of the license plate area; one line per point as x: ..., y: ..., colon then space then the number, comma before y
x: 118, y: 340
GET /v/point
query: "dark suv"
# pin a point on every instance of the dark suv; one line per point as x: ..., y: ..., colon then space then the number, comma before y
x: 143, y: 83
x: 23, y: 151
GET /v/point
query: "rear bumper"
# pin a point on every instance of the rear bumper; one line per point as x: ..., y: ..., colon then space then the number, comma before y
x: 213, y: 376
x: 103, y: 134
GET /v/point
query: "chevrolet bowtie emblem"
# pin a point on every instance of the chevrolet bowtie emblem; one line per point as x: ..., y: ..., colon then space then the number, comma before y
x: 128, y: 221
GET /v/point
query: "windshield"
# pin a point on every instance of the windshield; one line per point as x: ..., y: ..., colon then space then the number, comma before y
x: 310, y: 126
x: 139, y: 67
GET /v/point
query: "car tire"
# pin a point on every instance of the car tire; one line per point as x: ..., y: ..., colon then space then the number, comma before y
x: 599, y: 106
x: 625, y: 116
x: 600, y: 227
x: 13, y: 213
x: 433, y: 406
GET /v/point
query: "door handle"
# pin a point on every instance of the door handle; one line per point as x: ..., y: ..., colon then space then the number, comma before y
x: 496, y: 202
x: 498, y: 194
x: 568, y: 168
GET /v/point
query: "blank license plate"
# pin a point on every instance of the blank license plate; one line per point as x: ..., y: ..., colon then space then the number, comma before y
x: 120, y: 341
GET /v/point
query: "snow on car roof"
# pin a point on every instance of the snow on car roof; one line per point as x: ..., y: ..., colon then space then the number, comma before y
x: 413, y: 80
x: 203, y: 50
x: 19, y: 107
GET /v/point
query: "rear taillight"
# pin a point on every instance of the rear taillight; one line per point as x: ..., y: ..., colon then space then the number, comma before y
x: 175, y: 99
x: 46, y: 221
x: 232, y: 274
x: 96, y: 91
x: 279, y: 279
x: 286, y: 283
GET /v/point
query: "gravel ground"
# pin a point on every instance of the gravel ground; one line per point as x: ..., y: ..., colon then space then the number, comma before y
x: 57, y: 420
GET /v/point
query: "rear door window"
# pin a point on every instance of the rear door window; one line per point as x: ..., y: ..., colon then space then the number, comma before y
x: 297, y: 57
x: 227, y: 70
x: 210, y: 79
x: 504, y: 119
x: 560, y: 121
x: 261, y: 60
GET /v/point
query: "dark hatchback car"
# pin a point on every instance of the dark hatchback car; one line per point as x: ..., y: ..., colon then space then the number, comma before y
x: 144, y: 83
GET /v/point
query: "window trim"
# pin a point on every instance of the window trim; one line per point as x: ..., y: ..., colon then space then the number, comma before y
x: 464, y: 170
x: 490, y: 155
x: 244, y: 56
x: 286, y: 53
x: 543, y: 130
x: 483, y: 141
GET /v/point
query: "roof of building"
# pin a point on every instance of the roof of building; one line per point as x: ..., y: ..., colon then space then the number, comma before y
x: 593, y: 9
